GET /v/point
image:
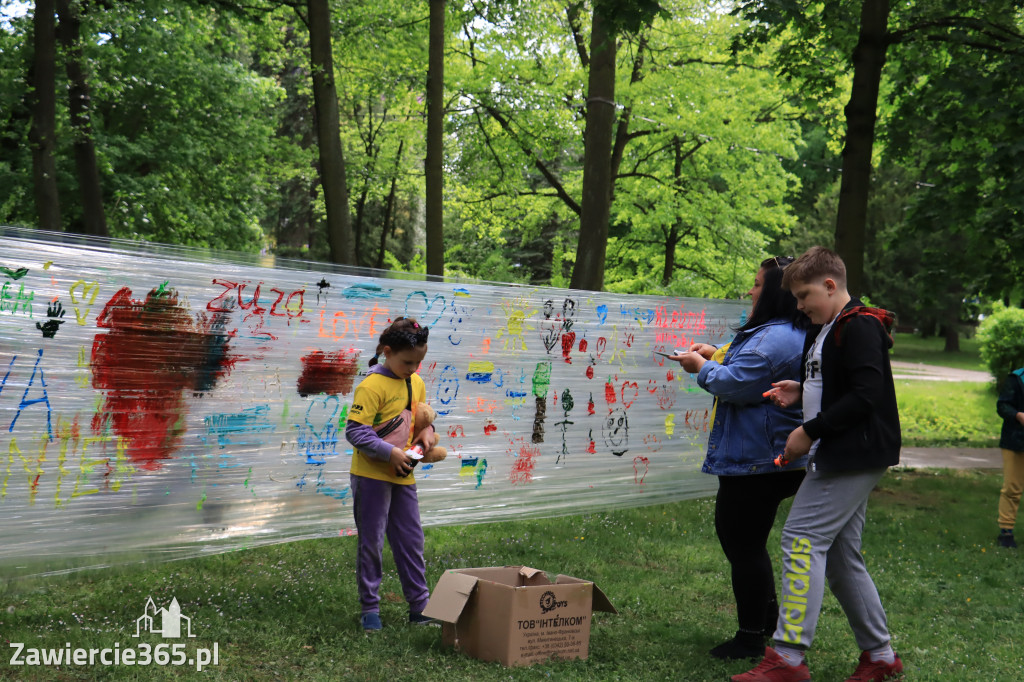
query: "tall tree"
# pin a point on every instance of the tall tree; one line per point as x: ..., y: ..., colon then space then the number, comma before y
x: 851, y: 218
x: 184, y: 125
x: 682, y: 158
x: 816, y: 52
x: 387, y: 224
x: 332, y: 169
x: 380, y: 54
x: 595, y: 205
x: 434, y: 161
x: 609, y: 19
x: 94, y: 220
x: 962, y: 131
x: 43, y: 133
x: 292, y: 219
x: 328, y: 126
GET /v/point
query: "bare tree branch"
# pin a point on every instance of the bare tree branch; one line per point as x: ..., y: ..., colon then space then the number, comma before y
x: 572, y: 12
x: 997, y: 32
x: 487, y: 141
x: 552, y: 179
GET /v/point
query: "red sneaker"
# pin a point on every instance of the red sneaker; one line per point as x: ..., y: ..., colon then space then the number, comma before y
x: 774, y: 669
x: 875, y: 671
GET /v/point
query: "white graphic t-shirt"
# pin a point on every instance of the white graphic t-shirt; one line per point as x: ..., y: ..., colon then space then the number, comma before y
x: 812, y: 379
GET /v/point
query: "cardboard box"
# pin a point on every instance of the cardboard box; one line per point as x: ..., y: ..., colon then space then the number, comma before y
x: 514, y: 614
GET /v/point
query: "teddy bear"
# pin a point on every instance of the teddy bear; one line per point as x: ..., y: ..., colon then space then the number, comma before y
x: 424, y: 415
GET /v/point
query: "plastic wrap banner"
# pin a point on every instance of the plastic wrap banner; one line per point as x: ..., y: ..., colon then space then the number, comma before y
x: 166, y: 402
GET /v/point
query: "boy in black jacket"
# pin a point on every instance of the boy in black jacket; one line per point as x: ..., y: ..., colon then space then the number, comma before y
x: 852, y: 431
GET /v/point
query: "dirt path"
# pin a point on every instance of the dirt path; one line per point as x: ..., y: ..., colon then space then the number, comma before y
x: 952, y: 458
x: 916, y: 370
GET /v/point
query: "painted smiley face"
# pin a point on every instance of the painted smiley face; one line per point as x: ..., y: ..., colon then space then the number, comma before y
x: 448, y: 387
x: 615, y: 430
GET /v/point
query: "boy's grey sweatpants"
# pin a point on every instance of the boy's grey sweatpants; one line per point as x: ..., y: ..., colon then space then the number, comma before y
x: 821, y: 539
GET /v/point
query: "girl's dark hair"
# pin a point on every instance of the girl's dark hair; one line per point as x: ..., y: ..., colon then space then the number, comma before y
x: 775, y: 301
x: 402, y: 334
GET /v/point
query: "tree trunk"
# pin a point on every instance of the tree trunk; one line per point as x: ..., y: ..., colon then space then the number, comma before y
x: 595, y: 206
x: 357, y: 228
x: 622, y: 135
x: 296, y: 220
x: 868, y: 60
x: 389, y: 210
x: 434, y: 161
x: 328, y: 129
x: 951, y: 305
x: 43, y: 131
x: 952, y: 334
x: 672, y: 235
x: 671, y: 242
x: 94, y: 221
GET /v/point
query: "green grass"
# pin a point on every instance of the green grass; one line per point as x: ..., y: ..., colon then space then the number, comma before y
x: 290, y: 612
x: 943, y: 413
x: 912, y: 348
x: 948, y: 414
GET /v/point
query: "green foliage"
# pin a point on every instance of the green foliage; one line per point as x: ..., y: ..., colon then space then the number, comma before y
x: 976, y: 206
x: 14, y: 124
x: 202, y: 119
x: 183, y: 127
x: 517, y: 91
x: 630, y: 16
x: 955, y: 125
x: 892, y: 274
x: 811, y: 46
x: 415, y: 264
x: 380, y: 49
x: 700, y: 189
x: 1002, y: 341
x: 291, y: 611
x: 16, y: 197
x: 949, y: 136
x: 703, y: 177
x: 484, y: 259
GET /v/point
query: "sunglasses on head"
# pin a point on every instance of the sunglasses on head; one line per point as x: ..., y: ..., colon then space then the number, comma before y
x: 777, y: 261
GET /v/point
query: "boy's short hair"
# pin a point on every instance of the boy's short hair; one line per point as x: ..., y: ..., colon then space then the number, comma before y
x: 815, y: 263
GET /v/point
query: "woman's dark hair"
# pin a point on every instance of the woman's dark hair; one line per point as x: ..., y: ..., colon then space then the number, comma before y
x: 402, y: 334
x: 774, y: 301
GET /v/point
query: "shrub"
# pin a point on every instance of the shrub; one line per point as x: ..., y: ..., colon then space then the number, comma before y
x: 1002, y: 341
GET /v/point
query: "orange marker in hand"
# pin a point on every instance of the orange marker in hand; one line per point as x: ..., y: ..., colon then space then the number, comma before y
x: 781, y: 460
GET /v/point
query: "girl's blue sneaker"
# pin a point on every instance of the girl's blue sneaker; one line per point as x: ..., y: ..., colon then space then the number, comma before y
x: 371, y: 621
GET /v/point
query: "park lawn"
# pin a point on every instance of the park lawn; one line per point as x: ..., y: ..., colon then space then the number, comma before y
x: 913, y: 348
x: 948, y: 413
x: 942, y: 413
x: 290, y: 611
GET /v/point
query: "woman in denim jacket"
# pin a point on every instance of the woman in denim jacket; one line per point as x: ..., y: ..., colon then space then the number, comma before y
x: 747, y: 433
